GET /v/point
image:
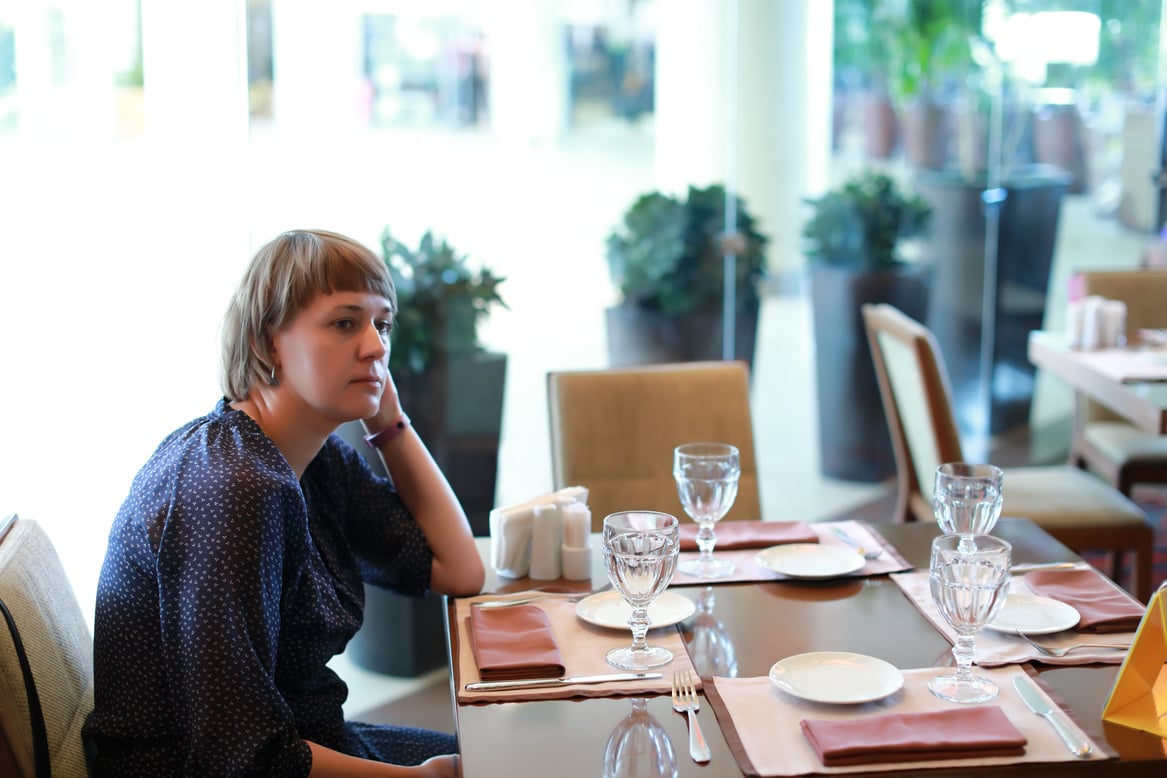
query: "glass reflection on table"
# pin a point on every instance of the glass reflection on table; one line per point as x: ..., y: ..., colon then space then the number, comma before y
x: 639, y: 747
x: 711, y: 647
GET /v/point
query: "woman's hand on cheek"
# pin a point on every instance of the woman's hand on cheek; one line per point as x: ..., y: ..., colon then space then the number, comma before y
x: 390, y: 410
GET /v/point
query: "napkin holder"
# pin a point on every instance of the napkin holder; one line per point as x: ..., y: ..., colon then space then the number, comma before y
x: 512, y: 532
x: 1139, y: 697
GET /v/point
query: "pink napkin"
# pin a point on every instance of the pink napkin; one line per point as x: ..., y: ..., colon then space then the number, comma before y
x: 1103, y: 606
x: 514, y: 642
x: 751, y: 534
x: 915, y: 737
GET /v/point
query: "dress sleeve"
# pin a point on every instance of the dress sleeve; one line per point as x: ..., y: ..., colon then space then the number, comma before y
x: 221, y: 560
x: 389, y: 547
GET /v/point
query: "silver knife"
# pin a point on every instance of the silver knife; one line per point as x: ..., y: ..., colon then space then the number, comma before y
x: 1033, y: 700
x: 1030, y: 567
x: 528, y: 683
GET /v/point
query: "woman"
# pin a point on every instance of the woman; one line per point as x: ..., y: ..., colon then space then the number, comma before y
x: 236, y: 565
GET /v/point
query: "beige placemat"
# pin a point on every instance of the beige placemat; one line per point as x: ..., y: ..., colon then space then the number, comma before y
x: 1000, y: 648
x: 582, y: 646
x: 746, y: 569
x: 761, y: 724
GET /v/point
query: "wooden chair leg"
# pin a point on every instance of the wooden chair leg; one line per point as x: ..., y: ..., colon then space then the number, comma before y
x: 1144, y: 558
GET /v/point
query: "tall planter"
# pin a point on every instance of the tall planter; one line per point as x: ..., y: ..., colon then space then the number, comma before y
x: 1026, y: 237
x: 638, y: 336
x: 456, y: 408
x: 854, y: 442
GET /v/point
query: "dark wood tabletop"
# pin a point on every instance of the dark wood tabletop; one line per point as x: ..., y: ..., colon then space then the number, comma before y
x: 753, y: 625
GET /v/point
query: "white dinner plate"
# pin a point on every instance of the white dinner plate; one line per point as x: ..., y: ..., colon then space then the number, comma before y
x: 836, y: 676
x: 1034, y: 615
x: 608, y: 609
x: 810, y: 560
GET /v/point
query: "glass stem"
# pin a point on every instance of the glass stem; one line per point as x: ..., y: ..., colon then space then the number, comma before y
x: 705, y: 542
x: 964, y: 651
x: 639, y: 623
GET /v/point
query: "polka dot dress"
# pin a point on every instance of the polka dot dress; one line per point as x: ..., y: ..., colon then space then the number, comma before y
x: 227, y: 587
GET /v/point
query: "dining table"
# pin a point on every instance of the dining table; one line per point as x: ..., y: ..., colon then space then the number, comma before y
x: 1131, y: 382
x: 739, y: 630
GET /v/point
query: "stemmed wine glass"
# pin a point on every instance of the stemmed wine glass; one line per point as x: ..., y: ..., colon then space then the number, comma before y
x: 967, y: 498
x: 969, y: 587
x: 640, y: 556
x: 707, y: 477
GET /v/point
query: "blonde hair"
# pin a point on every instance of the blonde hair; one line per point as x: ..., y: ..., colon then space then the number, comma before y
x: 285, y: 276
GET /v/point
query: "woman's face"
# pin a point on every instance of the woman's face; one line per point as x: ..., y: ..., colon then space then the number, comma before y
x: 333, y: 355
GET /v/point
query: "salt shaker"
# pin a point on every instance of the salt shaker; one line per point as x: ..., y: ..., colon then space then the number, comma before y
x: 576, y: 551
x: 546, y: 538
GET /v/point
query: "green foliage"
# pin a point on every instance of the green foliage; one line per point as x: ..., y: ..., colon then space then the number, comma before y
x: 925, y: 41
x: 860, y: 224
x: 668, y: 254
x: 440, y: 301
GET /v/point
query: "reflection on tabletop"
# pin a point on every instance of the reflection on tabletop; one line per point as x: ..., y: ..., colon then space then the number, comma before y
x: 639, y: 747
x: 710, y: 646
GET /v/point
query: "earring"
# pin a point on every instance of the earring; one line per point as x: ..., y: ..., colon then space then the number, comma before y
x: 273, y: 381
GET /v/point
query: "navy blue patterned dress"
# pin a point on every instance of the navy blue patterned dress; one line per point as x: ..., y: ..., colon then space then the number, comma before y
x: 227, y: 586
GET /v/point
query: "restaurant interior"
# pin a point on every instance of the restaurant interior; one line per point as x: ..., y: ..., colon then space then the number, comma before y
x: 146, y: 152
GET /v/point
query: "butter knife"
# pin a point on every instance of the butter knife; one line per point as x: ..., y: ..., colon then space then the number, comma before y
x: 1033, y: 700
x: 1030, y: 567
x: 530, y: 683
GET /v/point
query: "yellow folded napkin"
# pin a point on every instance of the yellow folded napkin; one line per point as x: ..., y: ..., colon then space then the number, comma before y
x: 915, y: 737
x: 751, y: 534
x: 514, y: 642
x: 1103, y: 606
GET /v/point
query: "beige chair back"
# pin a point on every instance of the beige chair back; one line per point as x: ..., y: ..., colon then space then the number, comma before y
x: 917, y: 400
x: 614, y: 432
x: 59, y: 650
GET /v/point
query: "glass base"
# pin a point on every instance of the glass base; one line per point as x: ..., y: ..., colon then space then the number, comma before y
x: 713, y: 568
x: 628, y: 658
x: 968, y: 689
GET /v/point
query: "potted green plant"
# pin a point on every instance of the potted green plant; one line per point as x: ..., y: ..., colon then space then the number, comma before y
x: 668, y: 259
x: 452, y: 389
x: 854, y: 242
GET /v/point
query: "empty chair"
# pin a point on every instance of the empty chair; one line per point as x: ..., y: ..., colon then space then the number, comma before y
x: 614, y: 431
x: 46, y: 685
x: 1078, y: 509
x: 1104, y: 442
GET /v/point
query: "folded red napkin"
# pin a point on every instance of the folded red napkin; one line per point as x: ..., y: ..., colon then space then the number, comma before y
x: 514, y: 642
x: 751, y: 534
x: 1104, y: 607
x: 960, y: 733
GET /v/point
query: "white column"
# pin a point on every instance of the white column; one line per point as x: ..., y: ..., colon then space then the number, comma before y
x: 316, y: 50
x: 768, y: 139
x: 194, y: 62
x: 528, y: 70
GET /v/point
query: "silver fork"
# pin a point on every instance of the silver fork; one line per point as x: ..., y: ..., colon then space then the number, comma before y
x: 568, y: 596
x: 685, y: 701
x: 1060, y: 652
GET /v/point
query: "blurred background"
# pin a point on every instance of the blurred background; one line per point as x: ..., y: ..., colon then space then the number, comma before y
x: 147, y: 148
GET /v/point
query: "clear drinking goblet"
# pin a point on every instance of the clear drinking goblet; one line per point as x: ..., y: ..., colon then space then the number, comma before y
x: 969, y: 586
x: 707, y: 477
x: 640, y: 556
x: 967, y: 498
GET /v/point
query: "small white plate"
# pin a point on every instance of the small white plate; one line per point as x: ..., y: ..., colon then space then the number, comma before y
x: 1034, y: 615
x: 836, y: 677
x: 810, y: 560
x: 608, y: 609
